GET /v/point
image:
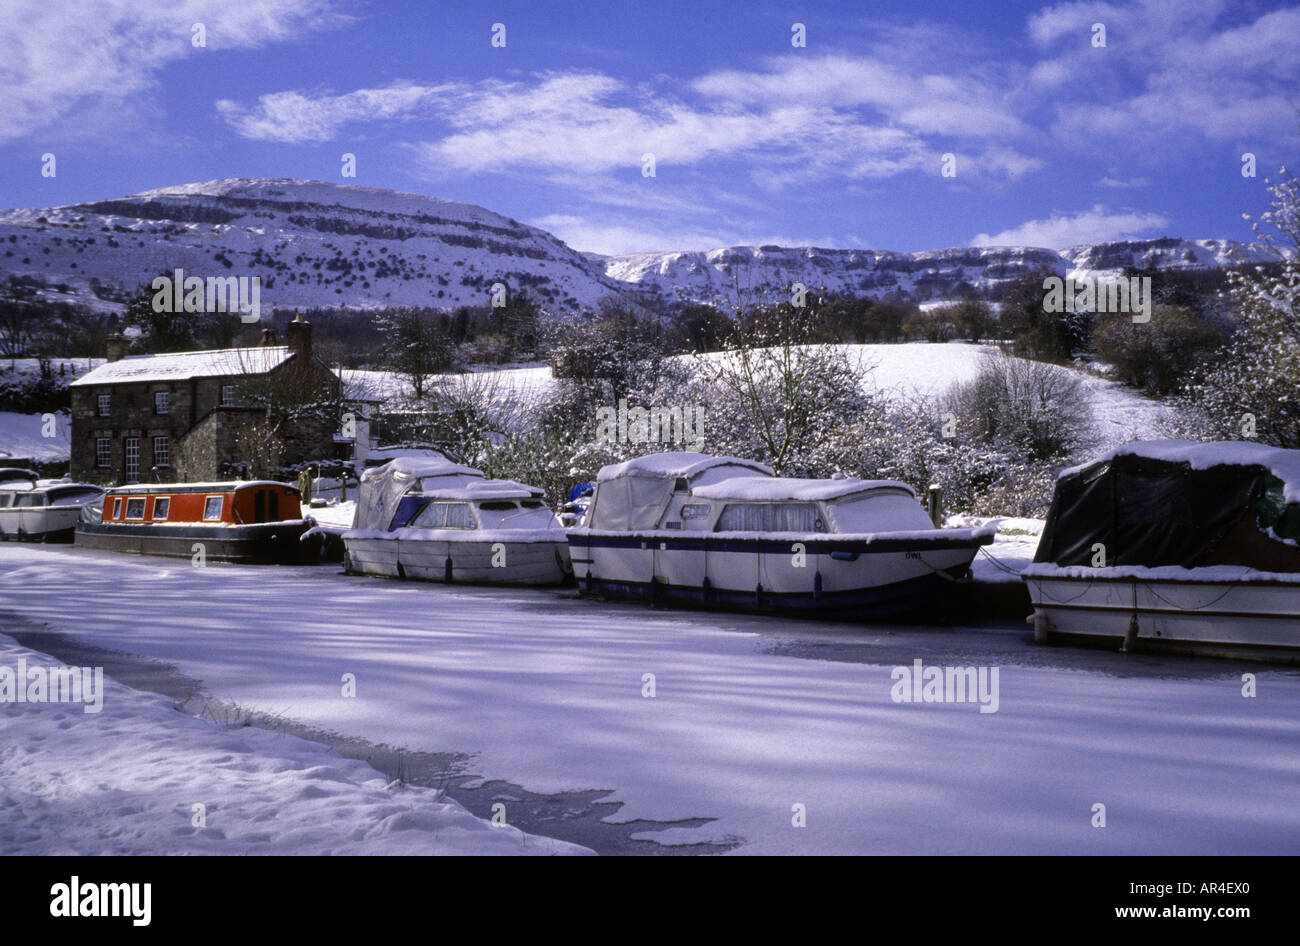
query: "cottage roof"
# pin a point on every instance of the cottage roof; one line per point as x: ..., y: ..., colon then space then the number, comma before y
x: 184, y: 365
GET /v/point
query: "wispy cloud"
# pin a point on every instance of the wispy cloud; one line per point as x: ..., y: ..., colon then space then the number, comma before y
x: 61, y: 59
x: 1060, y: 230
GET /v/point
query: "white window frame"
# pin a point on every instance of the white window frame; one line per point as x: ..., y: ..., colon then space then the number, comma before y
x: 135, y: 499
x: 131, y: 451
x: 166, y: 451
x: 166, y: 502
x: 103, y: 405
x: 227, y: 396
x: 207, y: 505
x: 103, y: 452
x: 162, y: 402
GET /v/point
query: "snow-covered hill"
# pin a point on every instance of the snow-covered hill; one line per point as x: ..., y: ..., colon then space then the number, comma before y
x: 311, y: 243
x: 322, y: 244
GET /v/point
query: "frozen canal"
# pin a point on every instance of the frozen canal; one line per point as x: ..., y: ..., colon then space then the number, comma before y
x: 752, y: 719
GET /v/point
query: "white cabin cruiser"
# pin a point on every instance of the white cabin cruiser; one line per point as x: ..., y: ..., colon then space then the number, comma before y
x: 431, y: 519
x: 1174, y: 546
x: 725, y: 532
x: 37, y: 510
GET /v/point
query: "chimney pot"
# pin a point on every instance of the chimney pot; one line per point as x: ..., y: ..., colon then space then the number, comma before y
x: 116, y: 347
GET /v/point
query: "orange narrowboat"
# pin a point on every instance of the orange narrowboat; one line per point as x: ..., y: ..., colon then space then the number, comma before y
x: 252, y: 522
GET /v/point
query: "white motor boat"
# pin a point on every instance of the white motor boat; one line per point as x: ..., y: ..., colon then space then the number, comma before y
x: 431, y: 519
x: 1174, y: 546
x: 37, y: 510
x: 725, y: 532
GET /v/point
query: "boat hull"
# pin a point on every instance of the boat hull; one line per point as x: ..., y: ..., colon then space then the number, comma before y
x: 1240, y: 619
x: 802, y: 575
x: 38, y: 523
x: 461, y: 561
x: 271, y: 543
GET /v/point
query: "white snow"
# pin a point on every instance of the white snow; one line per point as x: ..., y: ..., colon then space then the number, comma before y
x: 675, y: 464
x: 23, y: 436
x: 546, y: 691
x: 126, y: 780
x: 180, y: 366
x: 788, y: 488
x: 1284, y: 464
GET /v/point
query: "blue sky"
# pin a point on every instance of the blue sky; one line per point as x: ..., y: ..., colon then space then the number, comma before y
x: 839, y: 143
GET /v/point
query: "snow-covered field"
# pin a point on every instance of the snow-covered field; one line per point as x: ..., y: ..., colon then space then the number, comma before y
x: 23, y: 436
x: 750, y: 718
x: 907, y: 371
x: 143, y: 777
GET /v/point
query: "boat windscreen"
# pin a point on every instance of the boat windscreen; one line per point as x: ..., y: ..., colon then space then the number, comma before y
x: 407, y: 507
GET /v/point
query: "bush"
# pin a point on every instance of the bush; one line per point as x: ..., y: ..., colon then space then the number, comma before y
x: 1038, y: 408
x: 1160, y: 355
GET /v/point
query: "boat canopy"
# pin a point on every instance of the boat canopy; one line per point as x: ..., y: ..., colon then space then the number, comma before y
x: 672, y: 465
x: 775, y: 489
x: 382, y: 487
x: 1178, y: 503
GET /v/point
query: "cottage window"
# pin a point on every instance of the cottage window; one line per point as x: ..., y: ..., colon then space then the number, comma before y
x: 212, y: 509
x: 103, y: 451
x: 227, y: 395
x: 135, y: 508
x: 162, y: 402
x: 105, y: 404
x: 162, y: 451
x: 132, y: 451
x: 160, y: 507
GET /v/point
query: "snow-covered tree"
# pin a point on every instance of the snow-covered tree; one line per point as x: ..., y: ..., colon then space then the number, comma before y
x: 1252, y: 387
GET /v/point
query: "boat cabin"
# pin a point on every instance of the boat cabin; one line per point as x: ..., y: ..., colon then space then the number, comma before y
x: 240, y: 503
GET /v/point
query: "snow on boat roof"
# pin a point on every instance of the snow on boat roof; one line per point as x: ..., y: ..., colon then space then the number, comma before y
x: 422, y: 467
x: 1284, y: 464
x: 487, y: 489
x: 183, y: 365
x: 223, y: 487
x: 675, y: 464
x: 782, y: 488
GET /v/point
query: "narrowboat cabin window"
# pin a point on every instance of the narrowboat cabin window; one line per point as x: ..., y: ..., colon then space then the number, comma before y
x: 160, y: 507
x: 103, y: 452
x: 105, y: 402
x: 212, y: 509
x: 444, y: 516
x: 161, y: 402
x: 771, y: 517
x: 135, y: 508
x: 117, y: 507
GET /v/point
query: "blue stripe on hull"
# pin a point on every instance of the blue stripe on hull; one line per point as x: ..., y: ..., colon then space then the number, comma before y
x: 902, y: 596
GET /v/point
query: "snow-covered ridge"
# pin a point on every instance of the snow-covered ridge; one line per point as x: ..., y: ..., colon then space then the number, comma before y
x: 314, y: 243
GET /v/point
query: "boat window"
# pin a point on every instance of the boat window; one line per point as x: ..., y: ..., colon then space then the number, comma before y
x: 72, y: 494
x: 407, y: 507
x: 771, y: 517
x: 259, y: 506
x: 29, y: 499
x: 212, y: 509
x: 496, y: 505
x: 444, y: 516
x: 135, y: 507
x: 533, y: 504
x: 117, y: 506
x: 6, y: 499
x: 161, y: 505
x: 695, y: 511
x: 273, y: 506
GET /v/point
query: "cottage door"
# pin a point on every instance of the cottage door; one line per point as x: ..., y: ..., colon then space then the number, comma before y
x: 133, y: 459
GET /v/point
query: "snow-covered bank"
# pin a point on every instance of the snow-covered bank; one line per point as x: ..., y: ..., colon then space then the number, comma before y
x: 23, y: 436
x: 141, y: 777
x: 750, y: 715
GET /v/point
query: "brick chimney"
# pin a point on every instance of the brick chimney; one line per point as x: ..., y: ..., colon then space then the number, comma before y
x: 268, y: 337
x: 115, y: 347
x: 299, y: 338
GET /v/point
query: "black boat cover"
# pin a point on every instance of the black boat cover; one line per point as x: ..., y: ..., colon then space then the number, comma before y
x: 1151, y: 512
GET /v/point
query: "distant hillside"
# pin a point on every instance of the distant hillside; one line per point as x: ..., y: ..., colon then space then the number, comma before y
x: 319, y: 244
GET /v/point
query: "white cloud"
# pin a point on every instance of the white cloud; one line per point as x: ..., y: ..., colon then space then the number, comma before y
x: 622, y: 237
x: 1111, y: 179
x: 1061, y: 230
x: 64, y: 59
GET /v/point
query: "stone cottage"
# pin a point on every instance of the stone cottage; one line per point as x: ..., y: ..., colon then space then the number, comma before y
x: 190, y: 416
